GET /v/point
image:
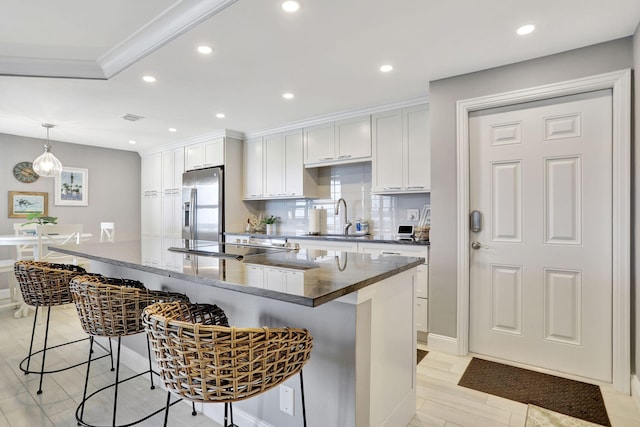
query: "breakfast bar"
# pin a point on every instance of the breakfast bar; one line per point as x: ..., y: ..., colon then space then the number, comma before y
x: 359, y: 309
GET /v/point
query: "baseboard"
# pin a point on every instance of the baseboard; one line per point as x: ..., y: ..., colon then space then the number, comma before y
x: 635, y: 390
x: 215, y: 411
x: 442, y: 344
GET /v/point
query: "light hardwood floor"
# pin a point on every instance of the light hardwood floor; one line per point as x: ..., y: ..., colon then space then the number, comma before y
x: 440, y: 401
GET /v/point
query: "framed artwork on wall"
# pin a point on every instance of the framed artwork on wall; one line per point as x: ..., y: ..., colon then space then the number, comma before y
x: 72, y: 187
x: 22, y: 203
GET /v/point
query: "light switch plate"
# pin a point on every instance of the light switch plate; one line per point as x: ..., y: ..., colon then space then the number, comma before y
x: 412, y: 214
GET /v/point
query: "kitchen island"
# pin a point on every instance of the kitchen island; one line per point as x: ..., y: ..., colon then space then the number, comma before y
x: 359, y: 309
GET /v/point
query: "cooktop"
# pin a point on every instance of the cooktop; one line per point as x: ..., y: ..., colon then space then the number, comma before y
x: 222, y: 250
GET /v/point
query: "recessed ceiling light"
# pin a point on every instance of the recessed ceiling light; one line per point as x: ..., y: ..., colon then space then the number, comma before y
x: 386, y: 68
x: 173, y: 130
x: 291, y: 5
x: 149, y: 79
x: 221, y: 115
x: 525, y: 29
x: 287, y: 95
x: 205, y: 50
x: 131, y: 141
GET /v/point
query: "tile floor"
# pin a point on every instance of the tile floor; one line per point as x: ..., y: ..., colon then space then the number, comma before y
x: 440, y: 401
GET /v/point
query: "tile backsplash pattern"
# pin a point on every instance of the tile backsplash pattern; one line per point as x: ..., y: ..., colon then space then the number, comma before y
x: 353, y: 183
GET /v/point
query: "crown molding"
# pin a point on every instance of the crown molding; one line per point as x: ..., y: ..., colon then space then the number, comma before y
x: 340, y: 115
x: 220, y: 133
x: 173, y: 22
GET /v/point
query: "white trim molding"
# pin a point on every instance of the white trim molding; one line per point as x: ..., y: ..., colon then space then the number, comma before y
x: 620, y: 84
x: 442, y: 343
x: 173, y: 22
x: 635, y: 390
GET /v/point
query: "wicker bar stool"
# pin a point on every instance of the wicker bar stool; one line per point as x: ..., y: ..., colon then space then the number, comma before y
x: 110, y: 307
x: 44, y: 284
x: 211, y: 363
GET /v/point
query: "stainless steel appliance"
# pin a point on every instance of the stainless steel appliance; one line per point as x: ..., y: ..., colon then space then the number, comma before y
x: 202, y: 205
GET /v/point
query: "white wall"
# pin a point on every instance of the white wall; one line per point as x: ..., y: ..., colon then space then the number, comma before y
x: 591, y: 60
x: 114, y: 185
x: 635, y: 291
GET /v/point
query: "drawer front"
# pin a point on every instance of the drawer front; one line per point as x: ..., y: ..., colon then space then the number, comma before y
x: 422, y: 314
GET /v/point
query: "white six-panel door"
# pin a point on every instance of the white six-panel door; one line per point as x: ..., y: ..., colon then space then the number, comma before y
x: 541, y: 267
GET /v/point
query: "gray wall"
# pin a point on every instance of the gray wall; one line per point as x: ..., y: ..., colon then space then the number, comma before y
x: 592, y: 60
x: 114, y: 185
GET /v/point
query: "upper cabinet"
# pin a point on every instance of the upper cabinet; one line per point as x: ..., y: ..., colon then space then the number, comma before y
x: 401, y: 151
x: 274, y: 168
x: 205, y: 154
x: 343, y: 141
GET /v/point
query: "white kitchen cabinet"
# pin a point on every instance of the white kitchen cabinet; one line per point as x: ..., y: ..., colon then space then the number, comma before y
x: 401, y: 151
x: 172, y: 169
x: 151, y: 205
x: 343, y: 141
x: 283, y: 172
x: 422, y: 286
x: 253, y: 168
x: 204, y: 154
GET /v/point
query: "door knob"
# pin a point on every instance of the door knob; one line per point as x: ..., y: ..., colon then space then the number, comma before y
x: 476, y: 245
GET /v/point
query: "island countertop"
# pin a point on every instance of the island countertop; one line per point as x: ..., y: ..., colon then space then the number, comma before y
x: 313, y: 277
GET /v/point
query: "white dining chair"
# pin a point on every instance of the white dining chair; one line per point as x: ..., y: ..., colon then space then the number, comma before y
x: 25, y: 251
x: 107, y: 232
x: 12, y: 300
x: 67, y: 235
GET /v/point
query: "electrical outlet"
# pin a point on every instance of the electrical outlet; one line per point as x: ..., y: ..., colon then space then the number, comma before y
x: 412, y: 214
x: 286, y: 399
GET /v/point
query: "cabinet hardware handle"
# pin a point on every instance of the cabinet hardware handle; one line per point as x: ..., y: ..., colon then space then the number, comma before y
x: 345, y: 156
x: 390, y: 253
x: 326, y: 158
x: 392, y: 188
x: 416, y: 187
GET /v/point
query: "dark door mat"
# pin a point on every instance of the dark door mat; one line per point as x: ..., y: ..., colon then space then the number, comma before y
x: 421, y: 355
x: 574, y: 398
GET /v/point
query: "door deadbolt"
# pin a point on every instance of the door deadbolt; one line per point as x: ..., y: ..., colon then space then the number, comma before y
x: 476, y: 221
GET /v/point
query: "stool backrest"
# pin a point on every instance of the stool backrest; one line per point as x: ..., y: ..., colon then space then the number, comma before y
x: 113, y: 307
x: 45, y: 284
x: 208, y: 362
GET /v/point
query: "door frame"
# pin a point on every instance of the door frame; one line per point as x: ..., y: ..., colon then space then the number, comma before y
x: 620, y: 84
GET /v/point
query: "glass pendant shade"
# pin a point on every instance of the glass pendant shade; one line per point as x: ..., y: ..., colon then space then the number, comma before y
x: 47, y: 164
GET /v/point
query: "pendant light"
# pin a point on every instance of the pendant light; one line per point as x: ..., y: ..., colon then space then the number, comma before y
x: 47, y: 164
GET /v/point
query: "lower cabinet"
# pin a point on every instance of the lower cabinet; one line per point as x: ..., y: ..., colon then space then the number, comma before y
x: 422, y: 294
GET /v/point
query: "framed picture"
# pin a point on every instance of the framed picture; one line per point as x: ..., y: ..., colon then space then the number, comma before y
x: 22, y: 203
x: 72, y: 187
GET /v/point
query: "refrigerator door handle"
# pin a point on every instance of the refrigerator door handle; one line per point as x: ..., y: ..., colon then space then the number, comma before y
x: 193, y: 197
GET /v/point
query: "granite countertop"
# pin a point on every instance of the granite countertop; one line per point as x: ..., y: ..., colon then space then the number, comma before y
x: 317, y: 276
x: 369, y: 238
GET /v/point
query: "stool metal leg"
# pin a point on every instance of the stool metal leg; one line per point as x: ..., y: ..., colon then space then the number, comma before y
x: 115, y: 395
x: 33, y: 332
x: 150, y: 367
x: 193, y: 409
x: 111, y: 354
x: 44, y: 353
x: 304, y: 411
x: 86, y: 379
x: 166, y: 411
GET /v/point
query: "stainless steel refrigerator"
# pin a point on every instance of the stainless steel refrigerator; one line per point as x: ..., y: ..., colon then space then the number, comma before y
x: 202, y: 206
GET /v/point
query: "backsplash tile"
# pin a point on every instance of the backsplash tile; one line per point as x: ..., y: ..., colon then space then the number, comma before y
x: 353, y: 183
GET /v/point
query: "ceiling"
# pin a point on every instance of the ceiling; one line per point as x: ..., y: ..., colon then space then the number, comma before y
x: 327, y: 54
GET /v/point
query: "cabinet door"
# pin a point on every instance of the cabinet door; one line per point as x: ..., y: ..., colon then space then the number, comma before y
x: 194, y: 156
x: 273, y: 165
x: 388, y: 153
x: 319, y: 143
x: 172, y: 169
x: 214, y: 153
x: 353, y: 138
x: 151, y: 170
x: 253, y: 156
x: 275, y: 279
x: 418, y: 157
x: 293, y: 163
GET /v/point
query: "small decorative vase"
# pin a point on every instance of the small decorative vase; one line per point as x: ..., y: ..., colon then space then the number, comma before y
x: 271, y: 228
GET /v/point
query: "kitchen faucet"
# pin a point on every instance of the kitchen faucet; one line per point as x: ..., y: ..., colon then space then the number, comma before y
x: 347, y: 223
